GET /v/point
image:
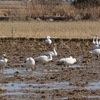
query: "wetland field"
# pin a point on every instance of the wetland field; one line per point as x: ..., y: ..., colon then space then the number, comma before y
x: 80, y: 81
x: 22, y: 35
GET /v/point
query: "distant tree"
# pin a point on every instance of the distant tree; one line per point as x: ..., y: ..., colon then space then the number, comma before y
x: 86, y: 3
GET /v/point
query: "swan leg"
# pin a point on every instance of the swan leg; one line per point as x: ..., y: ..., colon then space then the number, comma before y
x: 33, y: 68
x: 97, y: 57
x: 50, y: 63
x: 26, y: 69
x: 2, y: 70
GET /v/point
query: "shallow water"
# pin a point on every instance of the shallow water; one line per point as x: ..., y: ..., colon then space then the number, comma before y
x: 13, y: 88
x: 47, y: 86
x: 92, y: 96
x: 93, y: 86
x: 12, y: 71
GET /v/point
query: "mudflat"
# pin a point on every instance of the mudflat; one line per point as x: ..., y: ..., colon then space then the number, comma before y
x: 80, y: 81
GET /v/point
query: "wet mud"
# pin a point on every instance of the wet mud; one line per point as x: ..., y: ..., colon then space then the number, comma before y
x: 51, y: 81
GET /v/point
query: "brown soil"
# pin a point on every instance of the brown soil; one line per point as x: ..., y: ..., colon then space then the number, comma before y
x: 47, y: 82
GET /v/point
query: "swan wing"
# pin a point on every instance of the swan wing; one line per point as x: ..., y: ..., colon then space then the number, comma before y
x: 49, y: 52
x: 41, y: 58
x: 2, y: 62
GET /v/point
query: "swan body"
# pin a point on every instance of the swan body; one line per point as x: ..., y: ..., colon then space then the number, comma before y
x: 96, y: 47
x: 48, y: 40
x: 3, y: 61
x: 67, y: 61
x: 95, y: 52
x: 53, y: 53
x: 43, y: 58
x: 96, y: 43
x: 29, y: 63
x: 94, y: 39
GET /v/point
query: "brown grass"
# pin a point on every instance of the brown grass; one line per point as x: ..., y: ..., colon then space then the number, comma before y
x: 30, y: 10
x: 40, y: 29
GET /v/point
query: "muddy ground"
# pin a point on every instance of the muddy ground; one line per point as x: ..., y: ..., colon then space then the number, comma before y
x: 80, y: 81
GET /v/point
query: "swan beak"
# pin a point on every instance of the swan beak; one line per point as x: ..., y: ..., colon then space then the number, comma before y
x: 90, y: 52
x: 5, y: 56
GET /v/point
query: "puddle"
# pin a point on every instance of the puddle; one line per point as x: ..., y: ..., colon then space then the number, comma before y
x: 92, y: 97
x: 16, y: 93
x: 12, y: 71
x: 75, y: 66
x: 12, y: 88
x: 93, y: 86
x: 70, y: 66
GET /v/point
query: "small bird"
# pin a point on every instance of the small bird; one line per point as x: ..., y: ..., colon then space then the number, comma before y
x: 3, y: 61
x: 48, y: 40
x: 29, y: 63
x: 53, y: 53
x: 44, y: 58
x: 95, y: 52
x: 67, y: 61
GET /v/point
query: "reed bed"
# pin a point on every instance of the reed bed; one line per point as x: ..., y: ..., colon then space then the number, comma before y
x: 40, y: 29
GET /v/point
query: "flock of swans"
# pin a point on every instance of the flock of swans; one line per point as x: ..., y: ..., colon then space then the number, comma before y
x: 48, y: 56
x: 96, y: 46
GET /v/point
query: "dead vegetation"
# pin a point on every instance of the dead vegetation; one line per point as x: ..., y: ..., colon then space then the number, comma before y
x: 41, y: 29
x: 46, y: 10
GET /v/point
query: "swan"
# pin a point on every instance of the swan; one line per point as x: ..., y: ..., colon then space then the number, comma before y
x: 44, y: 58
x: 67, y: 61
x: 48, y: 40
x: 96, y: 43
x: 53, y: 53
x: 3, y: 61
x: 93, y: 41
x: 95, y: 52
x: 29, y: 63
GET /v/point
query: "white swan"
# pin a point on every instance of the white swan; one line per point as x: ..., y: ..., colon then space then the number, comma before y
x: 29, y: 63
x: 44, y: 59
x: 96, y: 43
x: 53, y: 53
x: 67, y: 61
x: 94, y: 37
x: 48, y: 40
x: 95, y: 52
x: 3, y: 61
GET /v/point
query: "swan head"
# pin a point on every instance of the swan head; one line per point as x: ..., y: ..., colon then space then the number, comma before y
x: 48, y: 37
x: 4, y: 55
x: 90, y: 52
x: 93, y: 34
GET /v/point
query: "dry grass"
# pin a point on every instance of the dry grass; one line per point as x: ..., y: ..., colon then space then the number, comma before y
x: 30, y: 10
x: 40, y: 29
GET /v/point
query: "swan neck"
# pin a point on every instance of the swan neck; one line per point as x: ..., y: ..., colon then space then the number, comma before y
x: 97, y: 39
x: 93, y: 38
x: 48, y: 37
x: 54, y: 49
x: 50, y: 57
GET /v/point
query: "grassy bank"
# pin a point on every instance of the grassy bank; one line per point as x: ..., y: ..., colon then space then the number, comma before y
x: 40, y: 29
